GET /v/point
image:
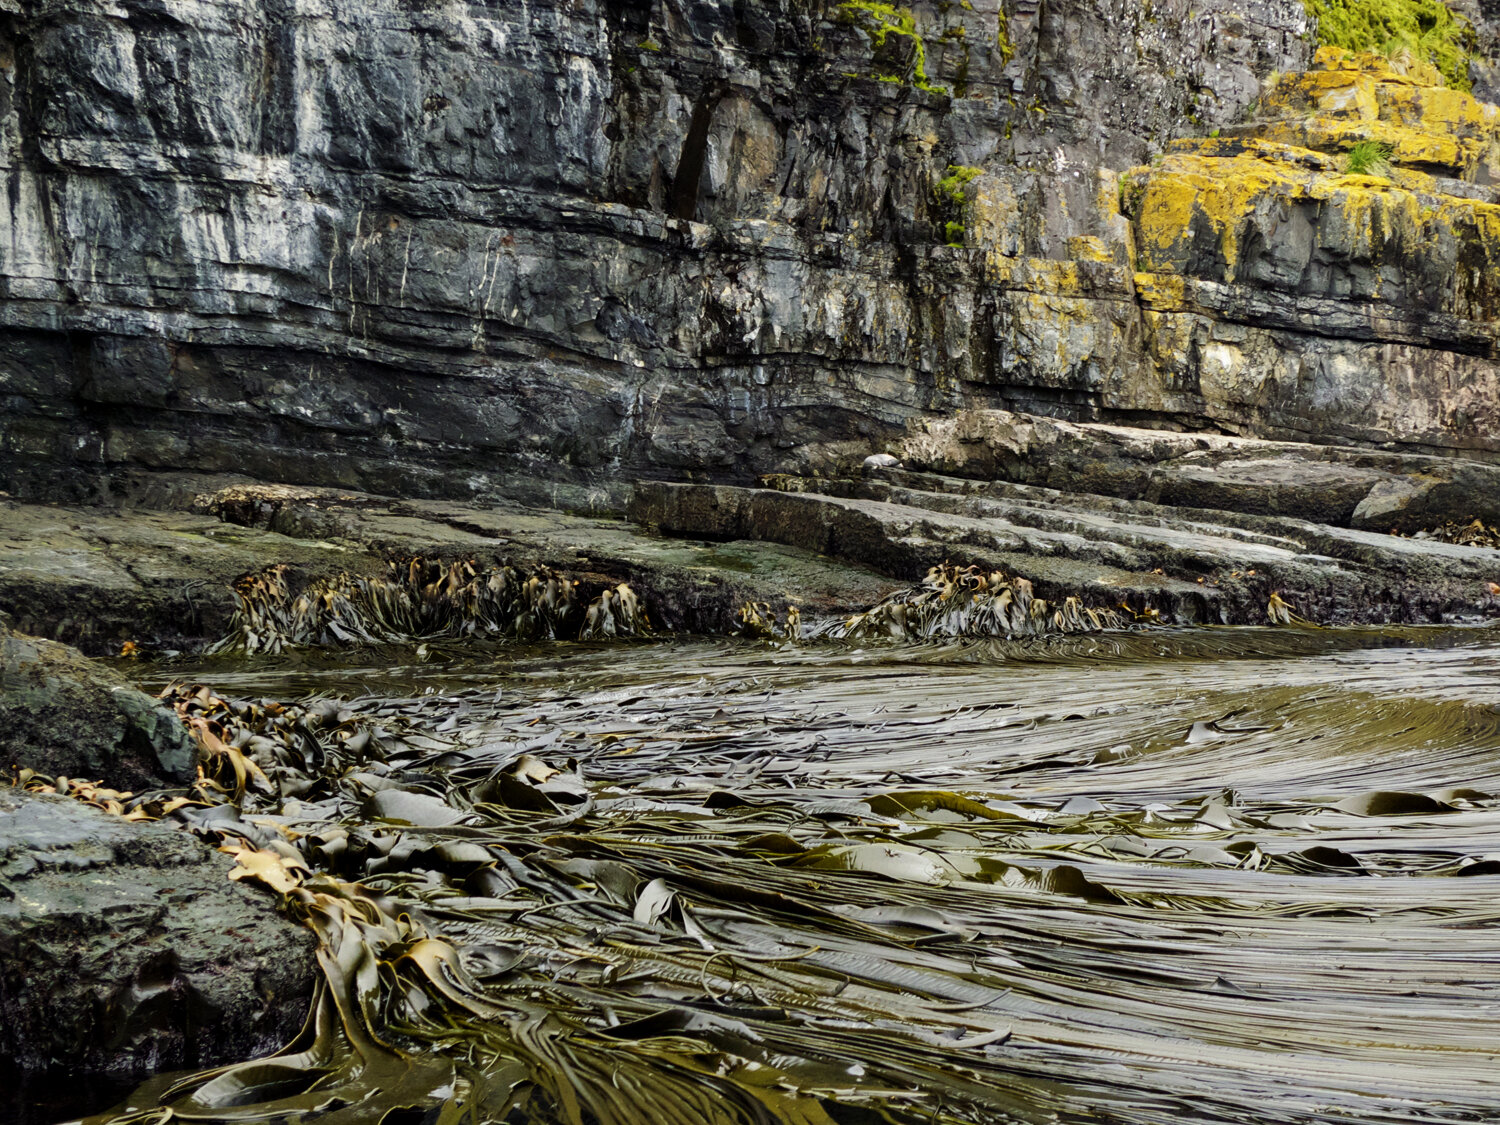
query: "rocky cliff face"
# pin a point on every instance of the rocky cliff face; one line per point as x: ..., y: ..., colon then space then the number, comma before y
x: 540, y: 248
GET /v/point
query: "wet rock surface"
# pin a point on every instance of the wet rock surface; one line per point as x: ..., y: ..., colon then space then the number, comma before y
x: 1372, y: 489
x: 63, y: 714
x: 96, y: 577
x: 125, y: 950
x: 1190, y: 565
x: 99, y: 576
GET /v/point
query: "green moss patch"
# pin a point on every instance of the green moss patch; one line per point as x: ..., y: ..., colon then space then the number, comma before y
x: 900, y: 52
x: 1427, y: 29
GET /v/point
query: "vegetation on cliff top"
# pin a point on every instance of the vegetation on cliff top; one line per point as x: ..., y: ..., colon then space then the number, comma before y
x: 1427, y: 29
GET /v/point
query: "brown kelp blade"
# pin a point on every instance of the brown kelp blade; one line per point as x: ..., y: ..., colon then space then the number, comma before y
x: 989, y: 881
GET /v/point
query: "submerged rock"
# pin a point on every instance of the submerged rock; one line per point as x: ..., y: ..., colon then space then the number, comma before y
x: 63, y: 714
x: 125, y: 950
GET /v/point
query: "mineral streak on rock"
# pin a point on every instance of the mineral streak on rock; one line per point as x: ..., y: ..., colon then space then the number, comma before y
x: 540, y: 248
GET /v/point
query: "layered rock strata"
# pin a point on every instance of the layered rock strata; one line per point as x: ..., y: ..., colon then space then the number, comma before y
x: 1340, y: 485
x: 99, y: 577
x: 1172, y: 565
x: 1288, y: 291
x: 535, y: 249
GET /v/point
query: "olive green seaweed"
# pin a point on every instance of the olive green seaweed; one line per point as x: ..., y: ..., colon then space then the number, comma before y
x: 1141, y: 876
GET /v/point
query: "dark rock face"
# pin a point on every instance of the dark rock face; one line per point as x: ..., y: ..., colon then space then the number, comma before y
x: 62, y: 714
x: 425, y: 249
x: 125, y: 950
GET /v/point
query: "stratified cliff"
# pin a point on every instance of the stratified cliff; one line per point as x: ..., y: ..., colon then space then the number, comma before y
x: 541, y: 248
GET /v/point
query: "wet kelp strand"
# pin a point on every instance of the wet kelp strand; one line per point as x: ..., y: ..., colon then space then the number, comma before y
x: 425, y: 599
x: 1075, y: 878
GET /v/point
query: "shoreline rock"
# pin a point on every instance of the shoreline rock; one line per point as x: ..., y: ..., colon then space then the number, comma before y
x: 1374, y: 490
x: 125, y: 950
x: 63, y: 714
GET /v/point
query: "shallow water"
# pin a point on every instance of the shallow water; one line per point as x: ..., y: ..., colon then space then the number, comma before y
x: 1237, y: 875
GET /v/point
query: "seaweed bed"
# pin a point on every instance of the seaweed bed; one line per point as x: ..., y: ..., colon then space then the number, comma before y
x: 1209, y: 875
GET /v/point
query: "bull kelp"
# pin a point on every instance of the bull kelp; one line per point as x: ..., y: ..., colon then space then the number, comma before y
x: 1160, y: 876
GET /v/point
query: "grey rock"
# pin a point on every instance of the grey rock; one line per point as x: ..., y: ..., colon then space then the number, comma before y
x: 1189, y: 565
x: 63, y: 714
x: 535, y: 251
x: 1339, y: 485
x: 125, y: 950
x: 87, y: 574
x: 1449, y: 492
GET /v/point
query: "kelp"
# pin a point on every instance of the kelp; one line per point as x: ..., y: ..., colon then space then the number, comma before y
x: 424, y: 599
x: 1279, y: 612
x: 758, y: 619
x: 1062, y: 878
x: 954, y: 602
x: 1475, y: 533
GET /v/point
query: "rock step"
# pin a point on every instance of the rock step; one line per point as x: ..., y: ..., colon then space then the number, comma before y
x: 1234, y: 476
x: 1183, y: 565
x: 125, y: 950
x: 95, y: 577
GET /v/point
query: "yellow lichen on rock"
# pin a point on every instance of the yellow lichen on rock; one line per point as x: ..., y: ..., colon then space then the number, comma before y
x: 1276, y: 200
x: 1088, y: 248
x: 1349, y: 97
x: 1189, y: 192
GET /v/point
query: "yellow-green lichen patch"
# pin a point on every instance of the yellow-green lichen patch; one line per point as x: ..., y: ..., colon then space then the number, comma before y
x: 1349, y: 98
x: 899, y: 49
x: 1360, y: 147
x: 1358, y: 218
x: 1187, y: 192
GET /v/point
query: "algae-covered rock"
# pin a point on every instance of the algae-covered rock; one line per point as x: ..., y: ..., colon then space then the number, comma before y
x: 125, y: 950
x: 63, y: 714
x: 1329, y: 270
x: 1281, y: 203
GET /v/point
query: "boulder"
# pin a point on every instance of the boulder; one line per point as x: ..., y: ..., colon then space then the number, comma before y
x: 64, y: 714
x: 125, y: 950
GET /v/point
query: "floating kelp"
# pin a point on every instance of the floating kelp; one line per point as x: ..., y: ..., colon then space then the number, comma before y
x: 726, y: 882
x: 422, y: 599
x: 953, y: 602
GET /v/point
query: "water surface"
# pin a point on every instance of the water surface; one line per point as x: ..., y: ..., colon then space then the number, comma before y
x: 1237, y: 875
